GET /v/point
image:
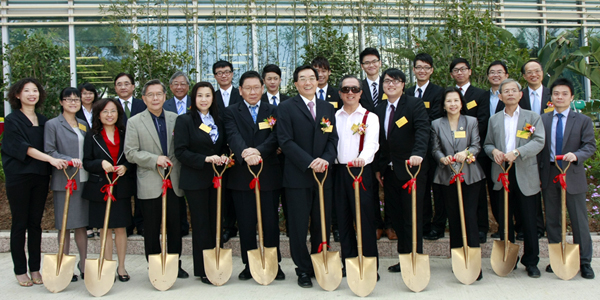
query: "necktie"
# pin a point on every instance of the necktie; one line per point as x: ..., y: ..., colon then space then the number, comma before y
x: 375, y: 94
x: 461, y: 91
x: 225, y: 98
x: 535, y: 107
x: 321, y: 94
x: 559, y: 138
x: 420, y: 91
x: 311, y: 106
x: 391, y: 121
x: 253, y: 112
x: 127, y: 111
x: 274, y: 100
x: 180, y: 107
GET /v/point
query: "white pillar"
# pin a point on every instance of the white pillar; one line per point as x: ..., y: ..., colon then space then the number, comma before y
x: 5, y: 66
x: 196, y: 41
x: 72, y: 51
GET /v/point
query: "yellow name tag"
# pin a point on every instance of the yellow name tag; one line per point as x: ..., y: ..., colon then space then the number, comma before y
x: 205, y: 128
x: 426, y: 104
x: 328, y: 129
x: 384, y: 97
x: 335, y: 104
x: 401, y: 122
x: 549, y: 109
x: 523, y: 134
x: 460, y: 134
x: 471, y: 104
x: 82, y: 127
x: 263, y: 125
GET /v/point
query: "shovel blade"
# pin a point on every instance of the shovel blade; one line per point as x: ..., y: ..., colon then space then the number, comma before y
x: 466, y: 270
x: 329, y: 279
x: 267, y: 274
x: 564, y: 267
x: 56, y: 283
x: 163, y: 281
x: 500, y: 266
x: 99, y: 286
x: 416, y: 279
x: 217, y: 274
x: 362, y: 287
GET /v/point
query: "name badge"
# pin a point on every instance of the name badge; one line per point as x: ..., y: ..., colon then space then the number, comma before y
x: 549, y: 109
x: 205, y: 128
x: 426, y: 104
x: 471, y: 104
x: 460, y: 134
x: 523, y: 134
x: 335, y: 104
x: 328, y: 129
x: 401, y: 122
x: 384, y: 97
x: 82, y: 127
x: 263, y: 125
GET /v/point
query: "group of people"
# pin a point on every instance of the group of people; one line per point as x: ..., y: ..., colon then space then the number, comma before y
x: 376, y: 125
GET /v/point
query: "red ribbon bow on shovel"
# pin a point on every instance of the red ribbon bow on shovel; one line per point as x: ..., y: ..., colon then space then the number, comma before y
x: 359, y: 180
x: 321, y: 247
x: 109, y: 194
x: 411, y: 184
x: 561, y: 178
x: 255, y: 183
x: 71, y: 186
x: 217, y: 181
x: 166, y: 185
x: 459, y: 176
x: 503, y: 177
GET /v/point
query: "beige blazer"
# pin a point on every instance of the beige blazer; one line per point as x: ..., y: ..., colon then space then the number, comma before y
x: 142, y: 147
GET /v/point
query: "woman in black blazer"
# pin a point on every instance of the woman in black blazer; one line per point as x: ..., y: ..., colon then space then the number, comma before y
x: 200, y: 142
x: 27, y: 175
x: 103, y: 149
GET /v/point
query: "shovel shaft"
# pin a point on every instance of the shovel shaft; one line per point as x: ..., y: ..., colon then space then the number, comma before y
x: 463, y: 229
x: 218, y: 245
x: 63, y: 231
x: 261, y: 245
x: 104, y: 234
x: 322, y: 214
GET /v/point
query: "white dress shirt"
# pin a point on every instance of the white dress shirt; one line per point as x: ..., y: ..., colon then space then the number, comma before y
x: 128, y: 104
x: 348, y: 143
x: 277, y: 96
x: 226, y: 99
x: 318, y: 92
x: 183, y: 102
x: 510, y: 129
x: 88, y: 115
x: 306, y: 100
x: 417, y: 87
x: 370, y: 82
x: 553, y: 135
x: 538, y: 96
x: 494, y: 99
x: 464, y: 88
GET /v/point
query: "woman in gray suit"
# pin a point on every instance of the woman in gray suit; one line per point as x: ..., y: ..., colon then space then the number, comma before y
x: 456, y: 135
x: 63, y: 139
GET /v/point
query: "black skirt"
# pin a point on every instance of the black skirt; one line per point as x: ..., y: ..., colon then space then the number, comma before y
x: 120, y: 213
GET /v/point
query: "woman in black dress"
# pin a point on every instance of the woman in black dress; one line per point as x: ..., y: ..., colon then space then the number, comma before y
x: 103, y: 149
x: 200, y: 142
x: 27, y: 175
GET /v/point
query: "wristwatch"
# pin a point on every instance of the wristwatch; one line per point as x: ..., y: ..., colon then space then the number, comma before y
x: 516, y: 153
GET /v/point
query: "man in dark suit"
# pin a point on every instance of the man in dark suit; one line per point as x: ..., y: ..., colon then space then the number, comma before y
x: 460, y: 70
x: 324, y: 91
x: 124, y: 87
x: 434, y: 224
x: 308, y: 138
x: 226, y: 95
x: 179, y: 84
x: 404, y: 136
x: 570, y: 134
x: 254, y: 140
x: 271, y: 74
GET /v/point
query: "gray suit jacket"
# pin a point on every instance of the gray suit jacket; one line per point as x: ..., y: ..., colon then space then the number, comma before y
x: 60, y: 141
x: 142, y: 147
x: 526, y: 169
x: 578, y: 139
x: 443, y: 144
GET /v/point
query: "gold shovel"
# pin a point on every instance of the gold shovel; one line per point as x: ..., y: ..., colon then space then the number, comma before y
x: 361, y: 272
x: 101, y: 272
x: 263, y: 261
x: 163, y: 267
x: 466, y: 261
x: 58, y: 268
x: 504, y: 253
x: 217, y: 261
x: 564, y: 258
x: 414, y: 266
x: 327, y: 265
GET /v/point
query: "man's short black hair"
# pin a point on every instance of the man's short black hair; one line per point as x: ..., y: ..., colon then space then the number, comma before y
x: 531, y: 60
x: 562, y: 81
x: 124, y: 74
x: 271, y: 68
x: 222, y: 64
x: 302, y: 68
x: 320, y: 62
x: 251, y: 74
x: 369, y: 51
x: 424, y: 57
x: 497, y: 63
x: 395, y: 74
x: 457, y: 61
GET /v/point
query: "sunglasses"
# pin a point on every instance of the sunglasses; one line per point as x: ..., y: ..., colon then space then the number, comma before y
x: 347, y: 89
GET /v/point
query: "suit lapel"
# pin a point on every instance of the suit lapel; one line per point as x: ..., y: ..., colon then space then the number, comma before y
x: 520, y: 125
x: 170, y: 120
x: 197, y: 123
x: 568, y: 127
x: 65, y: 124
x: 147, y: 121
x: 100, y: 141
x: 447, y: 131
x: 547, y: 121
x: 263, y: 113
x: 501, y: 129
x: 462, y: 142
x: 244, y: 111
x: 304, y: 109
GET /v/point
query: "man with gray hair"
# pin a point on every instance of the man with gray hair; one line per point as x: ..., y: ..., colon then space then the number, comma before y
x: 148, y: 144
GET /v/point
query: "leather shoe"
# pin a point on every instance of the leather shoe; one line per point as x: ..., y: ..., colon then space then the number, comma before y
x: 587, y: 272
x: 533, y: 271
x: 520, y: 236
x: 391, y: 234
x: 379, y: 233
x: 394, y: 268
x: 480, y: 275
x: 245, y: 274
x: 304, y: 280
x: 517, y: 263
x: 204, y: 279
x: 482, y: 237
x: 280, y: 275
x: 378, y: 276
x: 182, y: 273
x: 344, y: 272
x: 434, y: 235
x: 226, y: 236
x: 540, y: 234
x: 336, y: 235
x: 495, y: 235
x: 549, y: 269
x: 123, y: 278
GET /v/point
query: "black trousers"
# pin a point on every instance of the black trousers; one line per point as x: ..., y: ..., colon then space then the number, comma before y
x: 152, y: 211
x: 27, y: 201
x: 527, y: 206
x: 346, y: 208
x: 245, y: 210
x: 303, y: 205
x: 203, y: 216
x: 434, y: 216
x: 183, y: 215
x: 281, y: 203
x: 381, y: 222
x: 470, y: 193
x: 228, y: 209
x: 399, y: 202
x: 484, y: 192
x: 137, y: 220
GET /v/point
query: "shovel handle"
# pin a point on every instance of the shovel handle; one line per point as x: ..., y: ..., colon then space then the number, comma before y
x: 255, y: 175
x: 462, y: 165
x: 561, y: 157
x: 408, y: 166
x: 70, y: 163
x: 170, y: 167
x: 351, y: 166
x: 507, y: 169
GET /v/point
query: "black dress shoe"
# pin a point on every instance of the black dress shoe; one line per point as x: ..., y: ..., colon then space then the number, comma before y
x: 533, y: 271
x: 226, y: 236
x: 74, y: 278
x: 123, y: 278
x: 81, y: 273
x: 344, y: 272
x: 495, y: 235
x: 184, y: 233
x: 482, y: 237
x: 182, y: 273
x: 280, y: 275
x: 480, y: 275
x: 549, y: 269
x: 378, y: 277
x: 587, y: 272
x: 540, y: 234
x: 304, y: 280
x: 245, y: 274
x: 204, y: 279
x: 394, y: 268
x: 336, y: 235
x: 520, y: 236
x: 517, y: 263
x: 434, y: 235
x: 140, y: 231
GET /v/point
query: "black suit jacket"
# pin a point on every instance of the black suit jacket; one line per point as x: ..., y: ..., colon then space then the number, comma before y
x: 170, y: 104
x: 332, y: 97
x: 94, y: 152
x: 526, y: 104
x: 366, y: 99
x: 242, y: 133
x: 403, y: 142
x: 234, y: 98
x: 192, y: 146
x: 485, y: 102
x: 302, y: 140
x: 80, y: 115
x: 481, y: 110
x: 432, y: 98
x: 264, y: 98
x: 137, y: 106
